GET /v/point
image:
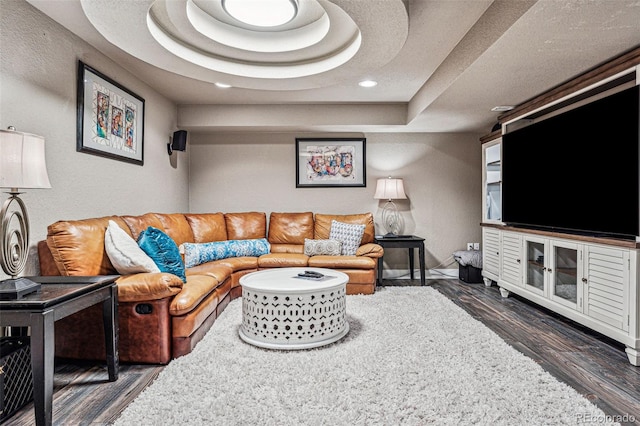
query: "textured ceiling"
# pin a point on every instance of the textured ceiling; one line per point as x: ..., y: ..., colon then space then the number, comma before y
x: 441, y: 65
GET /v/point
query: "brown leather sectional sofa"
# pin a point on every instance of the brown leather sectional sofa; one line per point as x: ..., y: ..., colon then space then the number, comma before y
x: 161, y: 317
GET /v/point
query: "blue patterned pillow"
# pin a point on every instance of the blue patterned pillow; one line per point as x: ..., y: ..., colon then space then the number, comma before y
x: 197, y: 253
x: 163, y: 250
x: 349, y: 234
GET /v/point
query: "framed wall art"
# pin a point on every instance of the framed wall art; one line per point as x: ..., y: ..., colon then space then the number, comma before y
x: 322, y: 162
x: 110, y: 118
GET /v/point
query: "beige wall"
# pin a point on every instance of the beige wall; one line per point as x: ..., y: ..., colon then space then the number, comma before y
x: 442, y: 176
x: 221, y: 172
x: 38, y: 95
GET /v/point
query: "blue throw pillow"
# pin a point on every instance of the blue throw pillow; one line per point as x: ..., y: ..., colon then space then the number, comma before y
x: 195, y: 254
x: 163, y: 250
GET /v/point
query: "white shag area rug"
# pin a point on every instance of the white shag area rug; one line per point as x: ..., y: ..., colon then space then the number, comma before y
x: 412, y: 357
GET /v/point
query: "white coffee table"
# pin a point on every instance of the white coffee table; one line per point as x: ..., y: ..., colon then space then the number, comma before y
x: 282, y: 311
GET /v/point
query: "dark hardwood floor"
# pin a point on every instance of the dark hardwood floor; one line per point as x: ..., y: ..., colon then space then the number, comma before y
x: 594, y: 365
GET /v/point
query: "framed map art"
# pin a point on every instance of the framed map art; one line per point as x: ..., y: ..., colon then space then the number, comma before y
x: 110, y: 118
x: 330, y: 162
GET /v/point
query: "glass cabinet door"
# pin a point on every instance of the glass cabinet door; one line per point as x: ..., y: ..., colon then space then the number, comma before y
x: 564, y: 273
x: 492, y: 177
x: 535, y: 265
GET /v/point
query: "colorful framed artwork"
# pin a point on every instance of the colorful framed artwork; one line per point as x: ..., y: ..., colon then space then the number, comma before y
x: 110, y: 118
x: 330, y: 162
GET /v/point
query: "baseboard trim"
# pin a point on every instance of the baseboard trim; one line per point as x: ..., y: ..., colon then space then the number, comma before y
x: 430, y: 274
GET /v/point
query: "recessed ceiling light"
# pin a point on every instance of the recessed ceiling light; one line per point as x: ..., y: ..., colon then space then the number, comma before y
x: 368, y: 83
x: 222, y: 85
x: 262, y: 13
x: 502, y: 108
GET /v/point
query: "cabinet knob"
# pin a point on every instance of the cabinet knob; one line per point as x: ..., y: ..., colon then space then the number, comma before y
x: 518, y: 260
x: 584, y: 280
x: 549, y: 269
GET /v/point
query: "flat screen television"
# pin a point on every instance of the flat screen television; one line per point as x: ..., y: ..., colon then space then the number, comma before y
x: 578, y: 171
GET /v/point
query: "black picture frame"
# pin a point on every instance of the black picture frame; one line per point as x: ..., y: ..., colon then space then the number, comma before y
x: 331, y: 162
x: 110, y: 121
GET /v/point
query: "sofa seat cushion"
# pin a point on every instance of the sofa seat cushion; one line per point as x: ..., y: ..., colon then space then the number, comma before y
x: 193, y: 291
x: 147, y: 286
x: 287, y: 248
x: 339, y: 262
x: 217, y: 271
x: 238, y: 263
x: 282, y: 260
x: 186, y: 325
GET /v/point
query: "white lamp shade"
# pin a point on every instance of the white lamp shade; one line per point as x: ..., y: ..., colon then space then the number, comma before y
x: 390, y: 189
x: 22, y: 161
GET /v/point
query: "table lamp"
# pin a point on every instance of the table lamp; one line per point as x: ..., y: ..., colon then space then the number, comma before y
x: 390, y: 189
x: 22, y: 166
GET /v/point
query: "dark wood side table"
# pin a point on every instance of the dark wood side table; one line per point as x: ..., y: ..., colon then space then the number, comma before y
x: 60, y: 297
x: 403, y: 241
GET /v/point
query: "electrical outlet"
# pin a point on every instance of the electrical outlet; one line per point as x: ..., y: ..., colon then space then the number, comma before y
x: 476, y: 246
x: 469, y: 246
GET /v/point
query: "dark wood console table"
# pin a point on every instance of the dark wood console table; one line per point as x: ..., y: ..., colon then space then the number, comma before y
x: 403, y: 241
x: 60, y: 297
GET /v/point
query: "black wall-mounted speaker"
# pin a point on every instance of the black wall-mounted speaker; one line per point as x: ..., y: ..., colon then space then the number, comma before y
x: 179, y: 140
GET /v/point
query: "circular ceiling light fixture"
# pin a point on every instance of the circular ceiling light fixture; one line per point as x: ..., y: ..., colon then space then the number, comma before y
x: 262, y: 13
x: 368, y: 83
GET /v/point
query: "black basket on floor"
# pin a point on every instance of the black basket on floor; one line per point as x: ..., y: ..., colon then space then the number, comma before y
x: 16, y: 379
x: 470, y: 274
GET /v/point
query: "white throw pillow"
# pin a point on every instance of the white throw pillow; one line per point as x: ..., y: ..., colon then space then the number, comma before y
x: 349, y: 234
x: 125, y: 254
x: 322, y: 247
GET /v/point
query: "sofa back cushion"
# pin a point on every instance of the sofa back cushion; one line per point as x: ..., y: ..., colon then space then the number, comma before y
x: 77, y: 246
x: 246, y: 226
x: 137, y: 224
x: 207, y: 227
x: 322, y: 227
x: 290, y: 228
x: 176, y: 226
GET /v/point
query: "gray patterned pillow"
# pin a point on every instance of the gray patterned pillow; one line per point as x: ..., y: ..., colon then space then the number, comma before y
x: 349, y: 234
x: 322, y: 247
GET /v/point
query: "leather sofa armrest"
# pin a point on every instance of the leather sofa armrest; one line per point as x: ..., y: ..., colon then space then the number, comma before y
x: 148, y: 286
x: 370, y: 250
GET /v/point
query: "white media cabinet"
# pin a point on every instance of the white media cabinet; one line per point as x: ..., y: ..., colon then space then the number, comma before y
x: 594, y: 282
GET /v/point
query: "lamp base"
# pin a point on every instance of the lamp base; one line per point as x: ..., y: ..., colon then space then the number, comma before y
x: 391, y: 235
x: 16, y: 288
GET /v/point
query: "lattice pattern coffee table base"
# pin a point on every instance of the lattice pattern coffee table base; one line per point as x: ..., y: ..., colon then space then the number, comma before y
x: 297, y: 315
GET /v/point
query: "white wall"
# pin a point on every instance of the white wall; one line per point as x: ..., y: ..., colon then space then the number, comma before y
x: 442, y: 175
x: 38, y: 95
